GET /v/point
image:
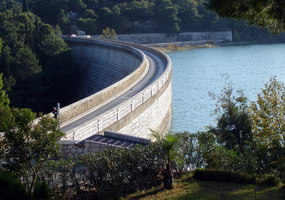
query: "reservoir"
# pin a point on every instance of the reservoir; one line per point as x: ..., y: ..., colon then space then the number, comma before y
x: 200, y: 71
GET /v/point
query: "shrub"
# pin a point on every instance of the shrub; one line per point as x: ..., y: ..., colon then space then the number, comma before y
x: 223, y: 176
x: 11, y: 188
x: 270, y: 180
x: 41, y: 191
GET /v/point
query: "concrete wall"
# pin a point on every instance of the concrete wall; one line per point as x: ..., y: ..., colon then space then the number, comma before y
x: 150, y: 38
x: 149, y: 110
x: 108, y: 69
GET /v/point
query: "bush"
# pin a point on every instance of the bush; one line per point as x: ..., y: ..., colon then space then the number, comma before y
x: 11, y: 188
x: 41, y: 191
x: 270, y: 180
x: 223, y: 176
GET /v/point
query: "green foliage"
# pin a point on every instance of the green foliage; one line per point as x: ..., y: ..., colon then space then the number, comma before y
x: 52, y: 45
x: 261, y: 149
x: 265, y: 14
x: 222, y: 158
x: 4, y: 100
x: 41, y: 191
x: 58, y: 174
x: 88, y: 25
x: 191, y: 150
x: 234, y: 126
x: 138, y: 10
x: 30, y: 49
x: 28, y: 144
x: 270, y: 180
x: 169, y: 21
x: 268, y: 117
x: 63, y: 21
x: 1, y: 45
x: 223, y: 176
x: 108, y: 34
x: 11, y: 188
x: 113, y: 172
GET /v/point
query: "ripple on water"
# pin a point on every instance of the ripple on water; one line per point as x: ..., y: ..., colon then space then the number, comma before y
x: 198, y: 72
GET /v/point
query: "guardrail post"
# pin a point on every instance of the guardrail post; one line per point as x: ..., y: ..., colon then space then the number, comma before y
x: 132, y: 106
x: 98, y: 126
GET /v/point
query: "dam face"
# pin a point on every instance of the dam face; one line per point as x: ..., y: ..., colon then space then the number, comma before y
x: 109, y: 69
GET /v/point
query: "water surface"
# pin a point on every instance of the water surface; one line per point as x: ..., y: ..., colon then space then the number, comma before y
x: 198, y: 72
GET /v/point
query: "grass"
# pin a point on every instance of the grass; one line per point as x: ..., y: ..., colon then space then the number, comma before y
x: 185, y: 188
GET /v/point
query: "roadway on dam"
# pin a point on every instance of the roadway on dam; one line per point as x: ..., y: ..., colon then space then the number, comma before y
x: 156, y: 68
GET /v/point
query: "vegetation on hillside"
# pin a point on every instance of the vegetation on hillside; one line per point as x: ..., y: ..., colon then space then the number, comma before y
x: 26, y: 144
x: 34, y: 60
x: 265, y: 14
x: 141, y: 16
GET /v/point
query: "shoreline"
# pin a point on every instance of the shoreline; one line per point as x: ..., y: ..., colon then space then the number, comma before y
x: 173, y: 47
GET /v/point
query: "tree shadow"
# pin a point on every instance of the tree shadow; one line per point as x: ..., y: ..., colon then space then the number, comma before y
x: 208, y: 190
x: 150, y: 193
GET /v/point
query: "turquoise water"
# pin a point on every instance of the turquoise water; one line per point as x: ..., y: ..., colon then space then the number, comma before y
x: 198, y: 72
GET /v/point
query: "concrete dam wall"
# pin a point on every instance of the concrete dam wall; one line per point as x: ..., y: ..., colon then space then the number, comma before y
x: 110, y: 69
x: 102, y: 65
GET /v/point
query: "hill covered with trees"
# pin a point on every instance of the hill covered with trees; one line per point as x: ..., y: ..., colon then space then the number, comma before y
x: 140, y: 16
x: 34, y: 59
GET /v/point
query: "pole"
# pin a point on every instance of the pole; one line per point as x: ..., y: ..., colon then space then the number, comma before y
x: 58, y: 115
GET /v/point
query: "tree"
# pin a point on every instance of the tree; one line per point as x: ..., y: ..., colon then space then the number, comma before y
x: 88, y: 25
x: 11, y: 188
x: 25, y: 6
x: 28, y: 143
x: 26, y: 63
x: 4, y: 100
x: 169, y: 22
x: 268, y: 116
x: 234, y: 126
x: 138, y: 10
x: 76, y: 5
x: 188, y: 13
x: 63, y: 21
x: 265, y: 13
x: 189, y: 149
x: 1, y: 45
x: 268, y: 128
x: 52, y: 45
x: 168, y: 148
x: 108, y: 34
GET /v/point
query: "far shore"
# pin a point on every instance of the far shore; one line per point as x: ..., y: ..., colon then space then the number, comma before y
x: 172, y: 47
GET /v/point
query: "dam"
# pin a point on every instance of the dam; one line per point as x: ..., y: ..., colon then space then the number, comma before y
x: 128, y: 94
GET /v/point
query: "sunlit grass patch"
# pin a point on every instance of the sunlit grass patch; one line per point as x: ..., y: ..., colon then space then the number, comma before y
x: 186, y: 188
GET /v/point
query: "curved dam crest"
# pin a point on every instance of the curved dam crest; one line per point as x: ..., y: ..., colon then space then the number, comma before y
x: 110, y: 70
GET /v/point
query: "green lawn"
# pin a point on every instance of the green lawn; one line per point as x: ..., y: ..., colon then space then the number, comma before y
x: 186, y: 189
